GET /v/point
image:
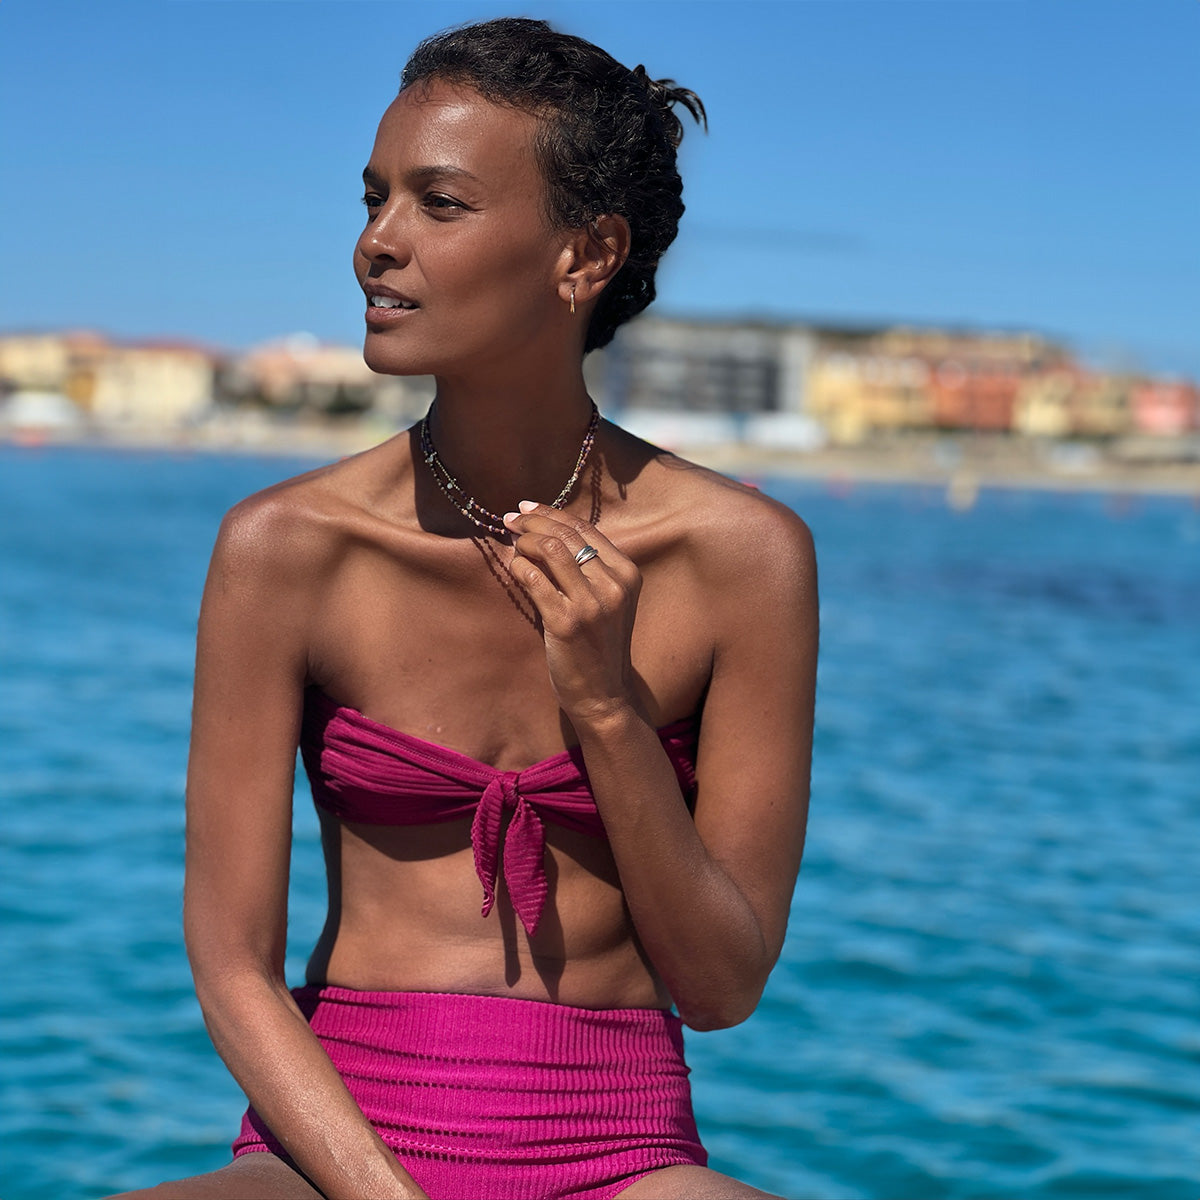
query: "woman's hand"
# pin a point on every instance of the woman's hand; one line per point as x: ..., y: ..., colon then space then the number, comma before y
x: 586, y: 608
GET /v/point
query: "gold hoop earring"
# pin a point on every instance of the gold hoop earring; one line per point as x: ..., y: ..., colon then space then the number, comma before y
x: 572, y: 299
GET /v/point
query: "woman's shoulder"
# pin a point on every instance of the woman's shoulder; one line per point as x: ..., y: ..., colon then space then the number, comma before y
x: 751, y: 557
x: 726, y: 524
x: 304, y: 521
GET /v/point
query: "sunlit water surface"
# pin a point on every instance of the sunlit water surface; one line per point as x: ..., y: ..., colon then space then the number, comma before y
x: 991, y: 984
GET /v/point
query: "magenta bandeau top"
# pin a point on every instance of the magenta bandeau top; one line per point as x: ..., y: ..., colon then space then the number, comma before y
x: 367, y: 772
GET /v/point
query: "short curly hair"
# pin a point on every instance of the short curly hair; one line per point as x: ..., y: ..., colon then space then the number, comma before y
x: 606, y: 144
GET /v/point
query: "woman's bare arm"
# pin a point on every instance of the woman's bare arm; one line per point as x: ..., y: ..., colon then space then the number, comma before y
x: 260, y: 600
x: 709, y: 896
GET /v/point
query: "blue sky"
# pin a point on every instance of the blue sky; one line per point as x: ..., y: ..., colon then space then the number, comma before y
x: 191, y: 167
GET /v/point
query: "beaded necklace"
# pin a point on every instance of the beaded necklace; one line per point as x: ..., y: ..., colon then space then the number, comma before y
x: 470, y: 508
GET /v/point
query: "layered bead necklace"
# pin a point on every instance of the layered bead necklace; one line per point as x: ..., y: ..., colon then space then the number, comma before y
x: 470, y: 508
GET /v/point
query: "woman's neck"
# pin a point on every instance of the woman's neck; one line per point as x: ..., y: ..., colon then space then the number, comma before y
x: 508, y: 443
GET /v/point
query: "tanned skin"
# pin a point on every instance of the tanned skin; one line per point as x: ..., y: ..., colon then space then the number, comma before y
x: 362, y: 579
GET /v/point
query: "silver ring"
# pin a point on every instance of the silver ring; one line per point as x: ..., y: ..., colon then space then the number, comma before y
x: 586, y: 555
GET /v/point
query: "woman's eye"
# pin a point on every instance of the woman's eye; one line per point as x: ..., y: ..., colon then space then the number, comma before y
x: 445, y: 203
x: 372, y: 201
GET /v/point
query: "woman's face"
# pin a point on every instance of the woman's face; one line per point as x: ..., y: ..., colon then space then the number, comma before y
x: 456, y: 233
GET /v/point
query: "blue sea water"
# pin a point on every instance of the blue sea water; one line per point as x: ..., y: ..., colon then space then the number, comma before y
x: 991, y: 984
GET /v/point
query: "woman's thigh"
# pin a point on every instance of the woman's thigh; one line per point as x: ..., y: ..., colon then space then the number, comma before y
x: 250, y: 1177
x: 265, y: 1177
x: 690, y: 1183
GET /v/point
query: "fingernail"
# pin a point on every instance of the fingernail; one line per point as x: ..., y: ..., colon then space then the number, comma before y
x: 509, y: 517
x: 527, y: 506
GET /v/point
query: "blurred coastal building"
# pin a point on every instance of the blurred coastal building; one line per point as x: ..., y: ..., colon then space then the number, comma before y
x: 81, y: 382
x: 1165, y: 407
x: 153, y: 384
x: 1066, y: 400
x: 300, y: 374
x: 695, y: 382
x: 867, y: 381
x: 792, y: 386
x: 163, y: 384
x: 800, y: 385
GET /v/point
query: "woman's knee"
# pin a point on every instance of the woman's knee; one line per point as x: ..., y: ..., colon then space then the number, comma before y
x: 690, y: 1183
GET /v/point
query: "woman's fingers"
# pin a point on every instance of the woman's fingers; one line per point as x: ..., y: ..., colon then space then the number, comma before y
x: 573, y: 552
x: 540, y: 589
x: 550, y: 546
x: 558, y: 558
x: 532, y: 512
x: 553, y: 546
x: 587, y: 608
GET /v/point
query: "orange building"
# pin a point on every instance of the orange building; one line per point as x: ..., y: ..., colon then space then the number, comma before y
x: 974, y: 393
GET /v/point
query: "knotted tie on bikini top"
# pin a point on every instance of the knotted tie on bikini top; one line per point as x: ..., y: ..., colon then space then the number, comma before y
x: 367, y: 772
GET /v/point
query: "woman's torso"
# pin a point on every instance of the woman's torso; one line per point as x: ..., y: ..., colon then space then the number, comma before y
x: 426, y: 634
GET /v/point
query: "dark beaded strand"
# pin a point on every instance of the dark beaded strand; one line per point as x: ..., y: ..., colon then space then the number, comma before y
x: 469, y: 506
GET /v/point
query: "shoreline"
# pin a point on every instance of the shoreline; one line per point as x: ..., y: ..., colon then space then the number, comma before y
x: 971, y: 468
x: 850, y: 467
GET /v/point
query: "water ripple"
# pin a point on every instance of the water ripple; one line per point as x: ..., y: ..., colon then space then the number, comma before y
x: 990, y: 983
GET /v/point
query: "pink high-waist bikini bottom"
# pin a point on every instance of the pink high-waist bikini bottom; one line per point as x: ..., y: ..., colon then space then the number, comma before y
x: 484, y: 1096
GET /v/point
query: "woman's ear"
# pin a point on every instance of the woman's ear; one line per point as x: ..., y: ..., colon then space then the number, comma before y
x: 596, y: 252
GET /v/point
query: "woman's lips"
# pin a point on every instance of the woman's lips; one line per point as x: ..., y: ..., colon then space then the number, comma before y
x: 383, y: 318
x: 386, y: 306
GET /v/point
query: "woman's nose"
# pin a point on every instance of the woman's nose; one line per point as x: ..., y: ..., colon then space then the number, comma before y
x: 385, y: 239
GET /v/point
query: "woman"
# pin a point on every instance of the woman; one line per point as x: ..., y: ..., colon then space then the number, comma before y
x: 513, y: 582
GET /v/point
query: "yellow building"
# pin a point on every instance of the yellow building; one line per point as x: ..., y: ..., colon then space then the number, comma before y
x: 57, y: 362
x: 150, y: 384
x: 1067, y: 400
x: 155, y: 384
x: 1044, y: 404
x: 33, y: 361
x: 1104, y: 408
x: 856, y: 393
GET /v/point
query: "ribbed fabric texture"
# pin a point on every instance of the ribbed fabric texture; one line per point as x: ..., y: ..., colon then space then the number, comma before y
x: 490, y: 1097
x: 361, y: 770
